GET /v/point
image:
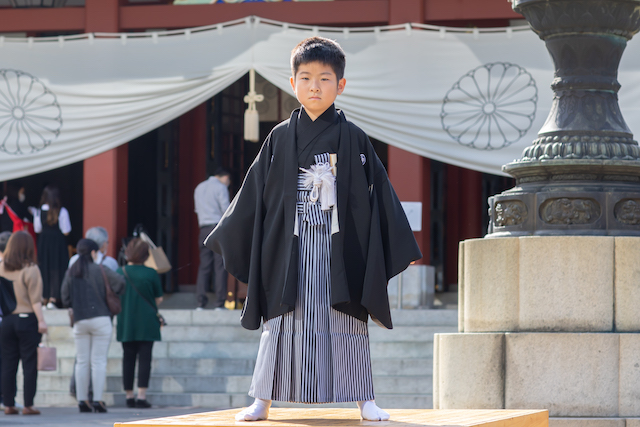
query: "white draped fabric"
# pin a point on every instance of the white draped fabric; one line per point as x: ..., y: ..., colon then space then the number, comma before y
x: 473, y: 99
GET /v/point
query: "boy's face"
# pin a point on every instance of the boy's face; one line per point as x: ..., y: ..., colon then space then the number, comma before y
x: 316, y: 86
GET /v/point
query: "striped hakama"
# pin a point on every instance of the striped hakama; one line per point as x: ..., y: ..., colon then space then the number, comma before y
x: 314, y: 354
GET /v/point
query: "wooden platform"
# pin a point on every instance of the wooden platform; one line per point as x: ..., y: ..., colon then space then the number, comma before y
x: 313, y: 417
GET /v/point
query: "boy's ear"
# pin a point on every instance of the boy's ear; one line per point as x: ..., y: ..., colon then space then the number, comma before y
x: 293, y: 83
x: 341, y: 83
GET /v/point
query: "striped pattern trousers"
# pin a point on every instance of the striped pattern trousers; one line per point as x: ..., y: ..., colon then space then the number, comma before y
x: 314, y: 354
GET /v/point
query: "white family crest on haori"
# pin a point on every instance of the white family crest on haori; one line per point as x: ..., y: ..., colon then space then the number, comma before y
x: 30, y: 117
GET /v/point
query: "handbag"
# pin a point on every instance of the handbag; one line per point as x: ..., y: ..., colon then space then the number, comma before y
x: 47, y: 356
x: 113, y: 300
x: 160, y: 317
x: 157, y: 258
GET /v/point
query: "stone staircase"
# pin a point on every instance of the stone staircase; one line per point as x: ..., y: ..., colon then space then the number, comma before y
x: 206, y: 359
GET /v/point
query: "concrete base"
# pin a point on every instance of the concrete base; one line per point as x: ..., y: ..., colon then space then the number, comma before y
x: 550, y: 283
x: 417, y: 284
x: 570, y: 374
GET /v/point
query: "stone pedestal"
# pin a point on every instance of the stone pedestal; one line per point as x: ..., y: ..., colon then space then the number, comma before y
x: 546, y: 322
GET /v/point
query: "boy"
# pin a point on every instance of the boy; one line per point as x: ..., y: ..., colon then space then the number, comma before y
x: 316, y: 240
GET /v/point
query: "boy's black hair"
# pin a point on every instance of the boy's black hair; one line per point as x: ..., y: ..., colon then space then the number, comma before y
x: 318, y: 49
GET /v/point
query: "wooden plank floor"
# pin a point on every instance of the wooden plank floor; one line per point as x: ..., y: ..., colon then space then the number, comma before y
x: 285, y: 417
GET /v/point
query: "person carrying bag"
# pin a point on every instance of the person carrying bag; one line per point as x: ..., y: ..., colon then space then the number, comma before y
x: 139, y: 322
x: 23, y: 323
x: 90, y: 290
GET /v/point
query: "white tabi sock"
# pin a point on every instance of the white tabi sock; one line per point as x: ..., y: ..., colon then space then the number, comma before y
x: 369, y: 411
x: 259, y: 410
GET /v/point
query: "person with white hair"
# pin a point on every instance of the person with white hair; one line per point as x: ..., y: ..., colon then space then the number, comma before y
x: 101, y: 237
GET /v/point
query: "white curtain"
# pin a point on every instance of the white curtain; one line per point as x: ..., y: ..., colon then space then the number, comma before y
x: 473, y: 99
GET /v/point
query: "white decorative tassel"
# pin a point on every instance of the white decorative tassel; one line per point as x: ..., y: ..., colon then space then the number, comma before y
x: 251, y: 124
x: 251, y: 117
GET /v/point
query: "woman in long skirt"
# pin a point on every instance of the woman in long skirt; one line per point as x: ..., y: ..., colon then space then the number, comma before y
x: 52, y: 223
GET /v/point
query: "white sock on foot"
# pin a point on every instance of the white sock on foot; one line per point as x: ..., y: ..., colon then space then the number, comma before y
x: 369, y: 411
x: 259, y: 410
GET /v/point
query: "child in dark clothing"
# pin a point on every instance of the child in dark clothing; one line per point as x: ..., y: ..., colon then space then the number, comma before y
x: 316, y: 231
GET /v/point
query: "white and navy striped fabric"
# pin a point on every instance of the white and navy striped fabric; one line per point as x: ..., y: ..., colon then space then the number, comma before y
x: 314, y: 354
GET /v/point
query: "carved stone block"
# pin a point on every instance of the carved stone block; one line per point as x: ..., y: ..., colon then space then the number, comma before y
x: 569, y: 211
x: 491, y: 282
x: 470, y: 371
x: 566, y: 283
x: 570, y: 374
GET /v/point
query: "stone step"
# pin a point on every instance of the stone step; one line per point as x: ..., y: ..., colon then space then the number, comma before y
x: 161, y: 384
x: 177, y: 349
x: 204, y: 400
x: 165, y: 366
x: 407, y: 333
x: 248, y: 350
x: 59, y: 335
x: 227, y: 384
x: 401, y: 350
x: 443, y: 317
x: 206, y: 359
x: 402, y: 367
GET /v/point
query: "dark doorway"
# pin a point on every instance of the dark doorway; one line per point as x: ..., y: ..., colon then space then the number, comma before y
x: 153, y: 189
x: 227, y: 147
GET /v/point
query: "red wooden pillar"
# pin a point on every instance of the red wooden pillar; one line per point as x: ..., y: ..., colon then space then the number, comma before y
x: 106, y: 175
x: 410, y: 176
x: 191, y: 171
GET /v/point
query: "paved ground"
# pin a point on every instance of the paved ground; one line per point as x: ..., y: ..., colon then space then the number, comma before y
x: 71, y: 417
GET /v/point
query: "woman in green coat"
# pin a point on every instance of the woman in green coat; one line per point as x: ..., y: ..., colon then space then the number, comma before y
x: 138, y: 324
